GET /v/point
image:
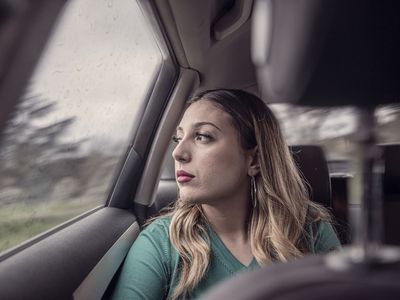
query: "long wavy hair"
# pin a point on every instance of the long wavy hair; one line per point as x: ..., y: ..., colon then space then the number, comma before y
x: 276, y: 224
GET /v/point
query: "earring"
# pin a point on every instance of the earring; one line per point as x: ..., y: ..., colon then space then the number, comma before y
x: 253, y: 190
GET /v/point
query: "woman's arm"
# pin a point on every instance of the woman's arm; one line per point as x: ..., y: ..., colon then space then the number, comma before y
x: 145, y: 273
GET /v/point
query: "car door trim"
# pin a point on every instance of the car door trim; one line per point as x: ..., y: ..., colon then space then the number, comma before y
x: 95, y: 284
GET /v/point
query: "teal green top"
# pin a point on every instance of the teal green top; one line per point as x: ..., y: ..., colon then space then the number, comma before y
x: 150, y: 270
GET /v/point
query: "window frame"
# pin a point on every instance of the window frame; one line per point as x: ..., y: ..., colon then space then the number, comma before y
x: 158, y: 96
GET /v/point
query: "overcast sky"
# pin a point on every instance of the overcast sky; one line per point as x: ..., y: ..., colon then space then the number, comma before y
x: 97, y: 66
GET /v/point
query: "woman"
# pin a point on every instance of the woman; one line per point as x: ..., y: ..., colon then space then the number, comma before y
x: 242, y: 203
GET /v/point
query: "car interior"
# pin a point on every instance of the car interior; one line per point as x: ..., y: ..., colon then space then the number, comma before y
x: 302, y: 52
x: 351, y: 60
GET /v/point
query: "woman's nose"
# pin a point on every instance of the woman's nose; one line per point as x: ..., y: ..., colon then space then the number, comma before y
x: 181, y: 152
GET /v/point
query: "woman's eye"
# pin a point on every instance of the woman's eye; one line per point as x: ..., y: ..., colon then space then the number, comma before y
x: 176, y: 139
x: 203, y: 137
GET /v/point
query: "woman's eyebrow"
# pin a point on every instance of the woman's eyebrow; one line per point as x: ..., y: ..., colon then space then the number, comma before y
x: 199, y: 124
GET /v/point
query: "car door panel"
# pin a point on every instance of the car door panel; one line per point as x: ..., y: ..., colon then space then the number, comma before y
x: 96, y: 283
x: 54, y: 267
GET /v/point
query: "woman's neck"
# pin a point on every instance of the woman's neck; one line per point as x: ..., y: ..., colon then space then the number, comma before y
x: 228, y: 221
x: 230, y: 224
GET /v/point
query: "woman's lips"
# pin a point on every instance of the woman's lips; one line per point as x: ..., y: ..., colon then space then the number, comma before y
x: 183, y: 177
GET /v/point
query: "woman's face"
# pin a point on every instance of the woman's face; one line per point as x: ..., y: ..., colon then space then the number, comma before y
x: 210, y: 163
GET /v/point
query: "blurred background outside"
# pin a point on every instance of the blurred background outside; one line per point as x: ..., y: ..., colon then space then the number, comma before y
x: 62, y: 146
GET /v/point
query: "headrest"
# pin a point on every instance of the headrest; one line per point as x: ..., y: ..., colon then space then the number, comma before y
x: 391, y: 176
x: 332, y: 52
x: 312, y: 165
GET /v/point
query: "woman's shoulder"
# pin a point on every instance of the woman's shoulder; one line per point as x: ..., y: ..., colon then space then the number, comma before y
x: 323, y: 236
x: 321, y: 227
x: 158, y: 225
x: 154, y: 235
x: 162, y: 220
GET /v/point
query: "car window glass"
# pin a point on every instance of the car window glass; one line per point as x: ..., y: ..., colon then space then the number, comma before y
x: 64, y: 144
x: 334, y: 129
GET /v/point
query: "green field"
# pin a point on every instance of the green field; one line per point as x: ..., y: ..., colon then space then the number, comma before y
x: 20, y: 222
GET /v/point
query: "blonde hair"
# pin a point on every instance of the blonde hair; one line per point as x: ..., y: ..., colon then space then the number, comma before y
x: 276, y: 226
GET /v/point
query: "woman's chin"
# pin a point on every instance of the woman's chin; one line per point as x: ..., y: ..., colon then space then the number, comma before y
x: 194, y: 200
x: 189, y: 200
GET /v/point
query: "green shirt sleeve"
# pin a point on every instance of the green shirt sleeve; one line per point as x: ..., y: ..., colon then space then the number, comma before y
x: 146, y: 270
x: 324, y: 237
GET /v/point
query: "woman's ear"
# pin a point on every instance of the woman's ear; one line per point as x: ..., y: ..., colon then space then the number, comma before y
x: 254, y: 162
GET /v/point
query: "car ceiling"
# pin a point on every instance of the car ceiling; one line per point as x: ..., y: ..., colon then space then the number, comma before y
x: 203, y: 38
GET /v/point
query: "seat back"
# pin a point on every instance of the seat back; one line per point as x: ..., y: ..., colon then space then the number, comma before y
x: 311, y: 162
x: 391, y: 194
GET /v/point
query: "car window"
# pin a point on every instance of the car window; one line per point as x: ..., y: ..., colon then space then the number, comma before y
x: 333, y: 129
x: 64, y: 144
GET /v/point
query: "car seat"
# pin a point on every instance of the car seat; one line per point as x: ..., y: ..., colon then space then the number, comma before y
x: 391, y: 194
